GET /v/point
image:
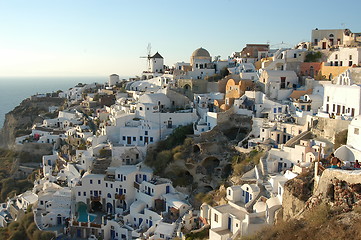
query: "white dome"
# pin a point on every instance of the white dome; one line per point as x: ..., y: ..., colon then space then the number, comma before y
x: 155, y: 98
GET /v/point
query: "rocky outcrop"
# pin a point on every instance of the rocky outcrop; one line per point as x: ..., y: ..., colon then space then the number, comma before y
x: 20, y: 120
x: 296, y: 193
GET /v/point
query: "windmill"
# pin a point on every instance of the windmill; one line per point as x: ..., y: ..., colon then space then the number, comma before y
x: 149, y: 48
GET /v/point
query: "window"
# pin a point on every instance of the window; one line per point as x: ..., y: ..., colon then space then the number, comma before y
x: 146, y: 133
x: 125, y: 178
x: 123, y: 138
x: 111, y: 185
x: 336, y: 56
x: 134, y: 138
x: 215, y: 217
x: 283, y: 82
x: 151, y: 139
x: 84, y: 194
x: 328, y: 98
x: 118, y: 175
x: 106, y: 184
x: 140, y: 108
x: 91, y: 181
x: 294, y: 55
x: 99, y: 181
x: 125, y: 190
x: 141, y: 138
x: 91, y: 192
x: 356, y: 131
x: 79, y: 194
x: 350, y: 63
x: 350, y: 57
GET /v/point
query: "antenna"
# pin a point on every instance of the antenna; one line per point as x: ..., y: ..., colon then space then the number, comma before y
x: 149, y: 49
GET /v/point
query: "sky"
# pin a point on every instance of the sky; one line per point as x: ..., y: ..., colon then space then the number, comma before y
x: 102, y: 37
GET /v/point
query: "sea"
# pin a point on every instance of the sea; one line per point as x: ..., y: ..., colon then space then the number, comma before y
x: 13, y: 90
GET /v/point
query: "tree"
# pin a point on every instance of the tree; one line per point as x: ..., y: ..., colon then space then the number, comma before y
x: 224, y: 72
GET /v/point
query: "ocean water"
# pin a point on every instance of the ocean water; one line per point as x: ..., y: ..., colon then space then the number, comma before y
x: 15, y: 89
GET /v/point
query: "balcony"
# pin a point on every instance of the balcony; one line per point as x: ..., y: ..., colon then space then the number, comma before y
x: 136, y: 185
x: 120, y: 196
x: 95, y: 198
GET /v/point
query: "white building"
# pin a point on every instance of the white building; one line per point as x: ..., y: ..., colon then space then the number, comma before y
x: 345, y: 57
x: 278, y: 85
x: 352, y: 150
x: 342, y: 98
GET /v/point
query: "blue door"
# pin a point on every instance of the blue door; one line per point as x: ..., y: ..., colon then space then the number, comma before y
x: 144, y: 177
x: 150, y: 223
x: 112, y: 234
x: 78, y: 233
x: 49, y: 162
x: 247, y: 197
x: 96, y: 193
x: 59, y: 220
x: 140, y: 221
x: 136, y: 178
x: 229, y: 223
x: 279, y: 167
x: 167, y: 189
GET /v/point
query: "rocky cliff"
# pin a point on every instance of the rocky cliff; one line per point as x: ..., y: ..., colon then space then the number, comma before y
x: 20, y: 120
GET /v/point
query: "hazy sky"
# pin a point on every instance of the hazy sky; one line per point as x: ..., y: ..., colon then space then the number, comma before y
x: 98, y: 38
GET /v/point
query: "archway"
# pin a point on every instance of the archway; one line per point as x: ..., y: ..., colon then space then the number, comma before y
x: 96, y: 206
x: 210, y: 163
x: 196, y: 149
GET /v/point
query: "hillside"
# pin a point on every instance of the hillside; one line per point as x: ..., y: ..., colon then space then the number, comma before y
x: 19, y: 121
x: 331, y: 210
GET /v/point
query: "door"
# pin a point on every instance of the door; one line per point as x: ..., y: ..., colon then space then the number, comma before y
x: 129, y: 140
x: 112, y: 234
x: 229, y: 223
x: 145, y: 139
x: 59, y: 220
x: 247, y: 197
x: 324, y: 45
x: 144, y: 177
x: 95, y: 193
x: 78, y: 233
x: 167, y: 189
x: 279, y: 167
x: 338, y: 109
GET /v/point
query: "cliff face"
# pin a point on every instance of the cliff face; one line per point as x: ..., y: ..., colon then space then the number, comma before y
x: 19, y: 121
x: 296, y: 193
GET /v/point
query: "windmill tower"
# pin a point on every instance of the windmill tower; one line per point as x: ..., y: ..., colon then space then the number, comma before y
x: 149, y: 49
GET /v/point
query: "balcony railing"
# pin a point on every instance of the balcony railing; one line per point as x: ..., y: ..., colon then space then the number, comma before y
x: 136, y: 185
